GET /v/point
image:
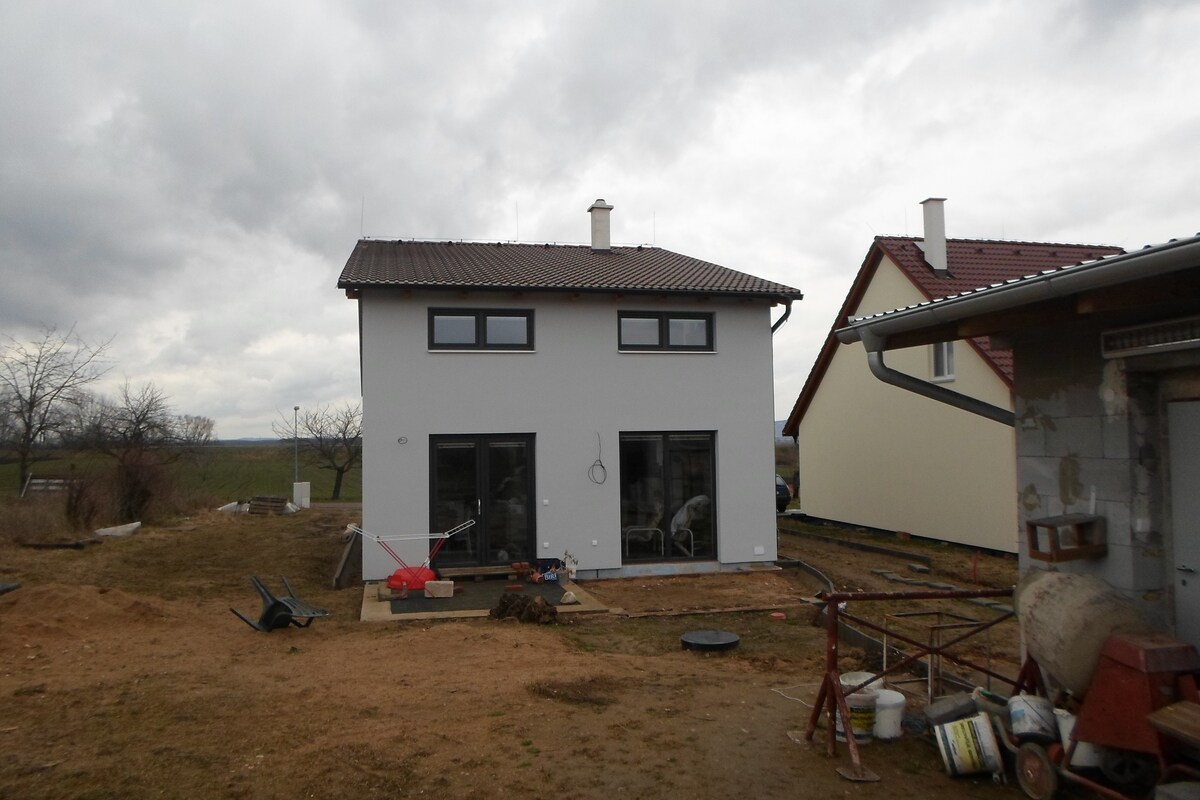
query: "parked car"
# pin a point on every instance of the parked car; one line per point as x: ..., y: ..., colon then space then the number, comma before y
x: 783, y: 495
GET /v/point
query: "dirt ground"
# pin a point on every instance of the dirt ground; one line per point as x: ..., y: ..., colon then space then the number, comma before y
x: 123, y: 675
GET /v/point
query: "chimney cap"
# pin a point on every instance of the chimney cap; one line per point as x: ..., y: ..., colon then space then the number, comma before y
x: 599, y: 205
x: 933, y: 200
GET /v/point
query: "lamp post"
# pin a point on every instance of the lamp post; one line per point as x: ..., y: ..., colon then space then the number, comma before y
x: 296, y: 444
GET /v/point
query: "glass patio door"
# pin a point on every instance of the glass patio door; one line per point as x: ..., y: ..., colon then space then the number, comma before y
x: 487, y: 478
x: 667, y: 493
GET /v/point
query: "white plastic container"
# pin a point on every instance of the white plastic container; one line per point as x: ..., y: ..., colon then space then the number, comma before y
x: 969, y: 745
x: 1032, y: 718
x: 1085, y: 755
x: 861, y: 703
x: 889, y: 714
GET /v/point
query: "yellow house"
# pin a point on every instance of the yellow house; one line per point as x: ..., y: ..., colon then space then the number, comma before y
x: 879, y: 456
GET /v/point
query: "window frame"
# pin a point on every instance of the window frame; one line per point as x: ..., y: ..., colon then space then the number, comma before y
x: 946, y: 361
x: 481, y: 316
x: 664, y: 319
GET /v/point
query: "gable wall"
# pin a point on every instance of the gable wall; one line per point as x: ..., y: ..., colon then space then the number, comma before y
x: 875, y: 455
x: 573, y: 386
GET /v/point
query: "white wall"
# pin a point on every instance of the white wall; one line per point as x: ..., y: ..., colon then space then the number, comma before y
x: 876, y: 455
x: 574, y: 385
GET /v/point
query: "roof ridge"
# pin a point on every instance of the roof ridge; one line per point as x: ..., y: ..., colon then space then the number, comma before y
x: 1002, y: 242
x: 450, y: 240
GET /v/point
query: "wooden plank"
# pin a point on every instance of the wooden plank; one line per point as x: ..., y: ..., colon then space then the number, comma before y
x: 472, y: 572
x: 1179, y: 721
x: 350, y: 567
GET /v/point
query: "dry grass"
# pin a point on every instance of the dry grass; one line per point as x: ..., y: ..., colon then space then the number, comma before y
x: 34, y: 519
x: 593, y: 691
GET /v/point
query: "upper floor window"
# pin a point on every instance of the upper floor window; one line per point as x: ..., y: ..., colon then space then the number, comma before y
x: 943, y: 361
x: 480, y: 329
x: 653, y: 330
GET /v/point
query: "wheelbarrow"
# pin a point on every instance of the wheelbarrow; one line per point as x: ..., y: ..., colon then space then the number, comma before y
x: 411, y: 577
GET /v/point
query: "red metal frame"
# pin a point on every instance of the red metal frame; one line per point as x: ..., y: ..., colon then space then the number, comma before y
x: 831, y: 697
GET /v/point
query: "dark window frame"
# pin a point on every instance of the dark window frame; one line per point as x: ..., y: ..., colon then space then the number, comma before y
x: 664, y: 319
x: 481, y: 316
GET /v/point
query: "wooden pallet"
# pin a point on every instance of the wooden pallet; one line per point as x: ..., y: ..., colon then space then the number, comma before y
x: 267, y: 504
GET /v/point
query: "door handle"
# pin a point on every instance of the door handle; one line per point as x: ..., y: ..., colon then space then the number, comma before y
x: 1184, y: 568
x: 479, y: 507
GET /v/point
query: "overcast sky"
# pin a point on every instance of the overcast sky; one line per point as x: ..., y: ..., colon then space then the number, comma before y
x: 189, y: 179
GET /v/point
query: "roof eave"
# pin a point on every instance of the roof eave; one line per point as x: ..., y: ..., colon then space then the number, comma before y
x: 1151, y: 261
x: 775, y: 296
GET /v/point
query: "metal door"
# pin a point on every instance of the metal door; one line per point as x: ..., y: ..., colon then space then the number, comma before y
x: 1183, y: 430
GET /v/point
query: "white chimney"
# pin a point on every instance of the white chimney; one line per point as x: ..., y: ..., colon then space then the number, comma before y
x: 935, y: 234
x: 601, y: 235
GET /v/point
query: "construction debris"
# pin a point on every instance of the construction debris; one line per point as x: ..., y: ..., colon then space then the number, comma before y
x: 524, y: 608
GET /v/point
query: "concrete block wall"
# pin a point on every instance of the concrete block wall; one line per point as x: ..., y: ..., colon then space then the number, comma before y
x: 1087, y: 435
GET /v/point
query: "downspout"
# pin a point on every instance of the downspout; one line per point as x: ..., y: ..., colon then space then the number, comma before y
x: 931, y: 390
x: 787, y: 312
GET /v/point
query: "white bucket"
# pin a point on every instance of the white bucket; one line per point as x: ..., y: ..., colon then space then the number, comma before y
x: 1032, y: 718
x: 861, y: 703
x: 851, y: 679
x: 889, y: 714
x: 862, y: 717
x: 1085, y: 755
x: 969, y: 745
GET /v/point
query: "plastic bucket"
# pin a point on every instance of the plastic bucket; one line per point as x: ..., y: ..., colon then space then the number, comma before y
x: 1085, y: 755
x: 851, y: 679
x: 861, y: 703
x: 969, y: 745
x: 1032, y: 718
x: 862, y: 717
x: 889, y: 714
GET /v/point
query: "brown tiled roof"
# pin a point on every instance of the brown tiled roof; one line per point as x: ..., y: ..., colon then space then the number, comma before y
x: 573, y: 268
x: 971, y: 264
x: 975, y: 263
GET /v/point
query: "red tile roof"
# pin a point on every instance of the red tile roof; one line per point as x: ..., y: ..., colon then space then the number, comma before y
x: 975, y: 263
x: 971, y: 264
x: 547, y: 267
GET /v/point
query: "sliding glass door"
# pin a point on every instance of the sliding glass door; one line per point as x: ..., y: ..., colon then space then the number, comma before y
x: 667, y: 496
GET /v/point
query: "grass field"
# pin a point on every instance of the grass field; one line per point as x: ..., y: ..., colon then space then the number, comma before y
x: 219, y: 474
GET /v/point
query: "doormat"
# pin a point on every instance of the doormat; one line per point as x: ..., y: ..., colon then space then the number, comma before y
x: 474, y: 596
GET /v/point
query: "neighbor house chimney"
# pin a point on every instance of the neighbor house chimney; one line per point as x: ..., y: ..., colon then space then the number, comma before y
x: 601, y: 238
x: 935, y: 234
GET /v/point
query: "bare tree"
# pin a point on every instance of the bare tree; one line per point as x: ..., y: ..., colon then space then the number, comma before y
x: 331, y: 438
x: 39, y: 381
x: 142, y: 433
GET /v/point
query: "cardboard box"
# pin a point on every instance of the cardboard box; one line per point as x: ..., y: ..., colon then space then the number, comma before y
x: 439, y: 588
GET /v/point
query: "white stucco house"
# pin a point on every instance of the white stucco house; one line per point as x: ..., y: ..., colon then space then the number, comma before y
x: 875, y: 455
x: 615, y: 402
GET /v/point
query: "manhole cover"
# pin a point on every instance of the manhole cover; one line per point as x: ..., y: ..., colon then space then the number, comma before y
x: 709, y: 640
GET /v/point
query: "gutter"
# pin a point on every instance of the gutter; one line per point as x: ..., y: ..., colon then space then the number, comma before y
x: 935, y: 392
x: 877, y: 344
x: 787, y: 312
